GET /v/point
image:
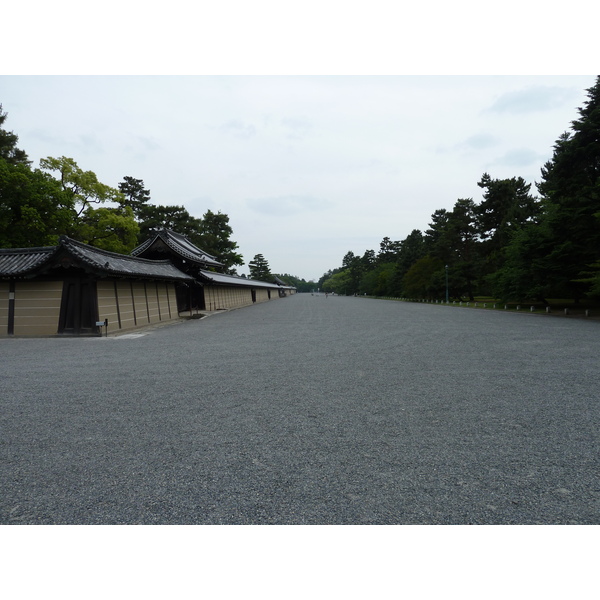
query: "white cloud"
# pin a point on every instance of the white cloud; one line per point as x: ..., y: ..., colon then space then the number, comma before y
x: 239, y: 129
x: 520, y: 157
x: 297, y: 127
x: 534, y: 99
x: 481, y: 141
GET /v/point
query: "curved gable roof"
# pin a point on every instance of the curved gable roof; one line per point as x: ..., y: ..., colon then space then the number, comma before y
x: 180, y: 245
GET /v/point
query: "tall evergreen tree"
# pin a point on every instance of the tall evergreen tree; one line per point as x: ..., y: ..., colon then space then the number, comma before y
x: 412, y: 248
x: 259, y: 268
x: 506, y: 206
x: 570, y: 190
x: 8, y: 145
x: 134, y: 194
x: 215, y: 236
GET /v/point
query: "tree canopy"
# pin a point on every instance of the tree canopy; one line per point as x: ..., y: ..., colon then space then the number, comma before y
x: 259, y: 268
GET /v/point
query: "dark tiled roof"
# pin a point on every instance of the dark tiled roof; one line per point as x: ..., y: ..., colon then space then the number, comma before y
x: 121, y: 264
x: 221, y: 279
x: 22, y: 262
x: 180, y: 245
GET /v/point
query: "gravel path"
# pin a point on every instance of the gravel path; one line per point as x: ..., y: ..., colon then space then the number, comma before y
x: 308, y: 410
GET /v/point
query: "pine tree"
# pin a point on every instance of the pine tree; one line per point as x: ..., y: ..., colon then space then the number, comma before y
x: 259, y: 268
x: 8, y: 145
x: 570, y: 190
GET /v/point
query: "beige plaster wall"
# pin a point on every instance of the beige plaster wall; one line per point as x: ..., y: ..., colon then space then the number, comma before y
x: 37, y: 307
x: 4, y: 287
x: 139, y: 304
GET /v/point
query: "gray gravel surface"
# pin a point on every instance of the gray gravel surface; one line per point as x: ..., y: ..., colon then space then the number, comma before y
x: 307, y: 410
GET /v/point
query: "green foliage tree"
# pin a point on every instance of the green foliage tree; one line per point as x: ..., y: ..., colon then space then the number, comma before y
x: 506, y: 206
x: 134, y: 194
x: 378, y: 281
x: 153, y: 218
x: 461, y: 240
x: 570, y: 190
x: 339, y: 283
x: 34, y: 210
x: 113, y: 229
x: 83, y: 186
x: 8, y: 144
x: 354, y: 266
x: 215, y: 236
x: 388, y: 251
x: 109, y: 227
x: 424, y: 278
x: 369, y: 260
x: 412, y: 248
x: 259, y: 268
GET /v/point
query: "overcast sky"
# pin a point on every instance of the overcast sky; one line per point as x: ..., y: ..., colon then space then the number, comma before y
x: 306, y: 167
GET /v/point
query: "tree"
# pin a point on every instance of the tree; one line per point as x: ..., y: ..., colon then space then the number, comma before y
x: 368, y: 259
x: 107, y: 227
x: 388, y: 251
x: 570, y: 190
x: 34, y: 210
x: 8, y: 145
x: 339, y: 283
x: 113, y: 229
x: 463, y: 245
x: 377, y: 281
x: 259, y: 268
x: 412, y: 248
x: 215, y: 237
x: 153, y: 218
x: 83, y: 186
x: 134, y: 194
x: 354, y: 266
x: 424, y: 278
x: 506, y: 206
x: 436, y: 237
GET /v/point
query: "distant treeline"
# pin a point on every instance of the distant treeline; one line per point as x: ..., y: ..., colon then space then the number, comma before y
x: 512, y: 245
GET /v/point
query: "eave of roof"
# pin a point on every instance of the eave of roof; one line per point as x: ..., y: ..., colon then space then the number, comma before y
x: 122, y: 264
x: 16, y: 262
x: 222, y: 279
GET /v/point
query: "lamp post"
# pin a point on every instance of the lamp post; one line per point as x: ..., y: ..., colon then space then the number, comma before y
x: 446, y: 284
